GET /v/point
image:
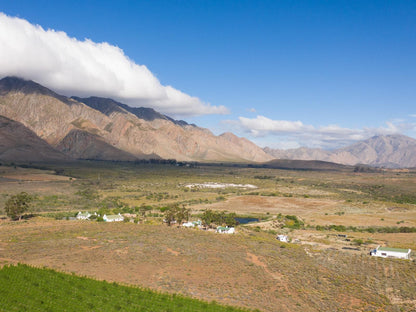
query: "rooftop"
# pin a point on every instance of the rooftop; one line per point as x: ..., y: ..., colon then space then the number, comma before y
x: 393, y: 249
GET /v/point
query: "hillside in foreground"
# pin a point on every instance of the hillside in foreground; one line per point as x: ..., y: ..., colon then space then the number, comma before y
x: 25, y: 288
x: 249, y: 269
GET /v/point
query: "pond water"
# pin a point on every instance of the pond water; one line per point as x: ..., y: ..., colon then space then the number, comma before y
x: 246, y: 220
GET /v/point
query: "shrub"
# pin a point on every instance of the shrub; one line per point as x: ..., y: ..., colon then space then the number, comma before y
x: 358, y: 241
x: 292, y: 222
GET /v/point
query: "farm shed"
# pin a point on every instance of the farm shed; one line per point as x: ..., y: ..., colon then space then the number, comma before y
x: 283, y: 238
x: 113, y: 218
x: 225, y: 230
x: 188, y: 224
x: 387, y: 252
x: 83, y: 215
x: 192, y: 223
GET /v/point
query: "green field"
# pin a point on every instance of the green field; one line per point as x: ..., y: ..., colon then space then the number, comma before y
x: 25, y: 288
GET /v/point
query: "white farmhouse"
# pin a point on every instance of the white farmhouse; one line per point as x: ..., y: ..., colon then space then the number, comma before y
x: 387, y: 252
x: 190, y: 224
x: 113, y: 218
x: 225, y: 230
x: 283, y: 238
x: 83, y: 215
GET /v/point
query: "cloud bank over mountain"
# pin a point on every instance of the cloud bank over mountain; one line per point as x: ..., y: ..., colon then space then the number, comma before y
x: 293, y: 134
x: 83, y: 68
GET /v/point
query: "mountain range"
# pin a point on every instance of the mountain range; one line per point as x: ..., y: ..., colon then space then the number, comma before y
x: 389, y: 151
x: 103, y: 129
x: 37, y: 124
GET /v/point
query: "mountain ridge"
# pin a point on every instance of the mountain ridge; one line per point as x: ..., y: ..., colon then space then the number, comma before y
x: 109, y: 130
x: 104, y: 129
x: 107, y: 105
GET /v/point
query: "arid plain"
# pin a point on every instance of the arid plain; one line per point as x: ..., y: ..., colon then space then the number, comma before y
x: 326, y: 267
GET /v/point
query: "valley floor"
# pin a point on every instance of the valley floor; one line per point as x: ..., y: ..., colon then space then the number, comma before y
x: 322, y: 269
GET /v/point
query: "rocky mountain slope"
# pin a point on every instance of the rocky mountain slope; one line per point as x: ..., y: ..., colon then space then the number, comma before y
x: 98, y: 128
x: 80, y: 144
x: 390, y: 151
x: 18, y: 143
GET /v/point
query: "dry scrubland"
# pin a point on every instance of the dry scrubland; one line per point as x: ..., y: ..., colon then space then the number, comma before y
x: 249, y: 269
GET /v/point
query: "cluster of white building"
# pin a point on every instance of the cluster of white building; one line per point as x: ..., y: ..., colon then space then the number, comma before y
x: 107, y: 218
x: 220, y: 229
x: 191, y: 224
x: 384, y: 252
x: 225, y: 230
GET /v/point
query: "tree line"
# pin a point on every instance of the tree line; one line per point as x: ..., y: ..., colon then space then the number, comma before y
x: 209, y: 218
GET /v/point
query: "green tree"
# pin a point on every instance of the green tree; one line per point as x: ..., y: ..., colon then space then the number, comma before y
x: 17, y: 205
x: 175, y: 213
x: 230, y: 219
x: 170, y: 215
x: 207, y: 217
x: 210, y: 218
x: 182, y: 214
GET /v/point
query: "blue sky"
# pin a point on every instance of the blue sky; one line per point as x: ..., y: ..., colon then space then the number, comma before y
x: 281, y: 73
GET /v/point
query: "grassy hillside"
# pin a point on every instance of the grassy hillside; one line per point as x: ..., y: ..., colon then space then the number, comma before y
x: 25, y: 288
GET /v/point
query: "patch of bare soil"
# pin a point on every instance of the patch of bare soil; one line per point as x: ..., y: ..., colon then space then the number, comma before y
x: 255, y: 260
x: 37, y: 177
x: 31, y: 175
x: 275, y: 205
x: 317, y: 211
x: 173, y: 252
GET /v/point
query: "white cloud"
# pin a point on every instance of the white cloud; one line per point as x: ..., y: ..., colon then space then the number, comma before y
x: 86, y: 68
x: 261, y: 126
x: 328, y: 137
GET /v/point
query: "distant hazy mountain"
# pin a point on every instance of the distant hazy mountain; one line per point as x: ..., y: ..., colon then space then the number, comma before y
x: 390, y: 151
x: 302, y: 153
x: 99, y: 128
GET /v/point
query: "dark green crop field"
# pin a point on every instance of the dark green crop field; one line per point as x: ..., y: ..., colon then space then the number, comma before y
x: 25, y: 288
